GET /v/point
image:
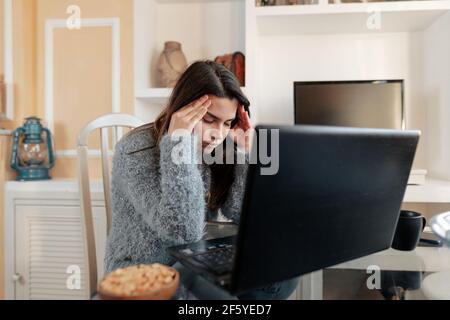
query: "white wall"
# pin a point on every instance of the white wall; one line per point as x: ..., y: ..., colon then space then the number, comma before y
x: 285, y: 59
x: 437, y: 95
x: 416, y: 108
x: 205, y: 29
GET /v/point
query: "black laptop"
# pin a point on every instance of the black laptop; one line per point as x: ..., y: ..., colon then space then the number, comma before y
x: 336, y: 197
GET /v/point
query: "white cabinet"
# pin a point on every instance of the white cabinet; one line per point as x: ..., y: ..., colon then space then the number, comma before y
x: 44, y: 239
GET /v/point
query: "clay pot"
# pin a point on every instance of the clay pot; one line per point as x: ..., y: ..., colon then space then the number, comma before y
x: 171, y: 65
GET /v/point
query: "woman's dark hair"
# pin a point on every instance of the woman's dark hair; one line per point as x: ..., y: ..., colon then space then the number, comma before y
x: 205, y: 78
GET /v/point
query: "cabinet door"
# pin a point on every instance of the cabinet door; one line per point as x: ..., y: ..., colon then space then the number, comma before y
x: 49, y: 243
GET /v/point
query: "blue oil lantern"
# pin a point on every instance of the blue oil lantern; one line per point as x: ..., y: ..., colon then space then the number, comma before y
x: 32, y: 155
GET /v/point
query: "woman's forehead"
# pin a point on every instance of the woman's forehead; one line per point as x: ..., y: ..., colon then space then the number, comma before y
x: 223, y: 108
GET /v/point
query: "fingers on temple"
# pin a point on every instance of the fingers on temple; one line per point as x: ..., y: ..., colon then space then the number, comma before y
x: 193, y: 106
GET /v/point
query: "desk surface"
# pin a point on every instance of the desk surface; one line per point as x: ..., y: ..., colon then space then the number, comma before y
x: 219, y: 230
x: 420, y: 274
x: 424, y: 259
x: 414, y: 274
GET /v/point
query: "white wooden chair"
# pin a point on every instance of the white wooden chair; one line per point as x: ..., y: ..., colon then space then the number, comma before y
x: 115, y: 122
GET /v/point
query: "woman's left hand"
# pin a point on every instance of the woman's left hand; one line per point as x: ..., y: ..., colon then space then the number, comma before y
x: 242, y: 133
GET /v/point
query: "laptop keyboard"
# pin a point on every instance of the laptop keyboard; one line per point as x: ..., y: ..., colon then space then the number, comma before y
x: 217, y: 258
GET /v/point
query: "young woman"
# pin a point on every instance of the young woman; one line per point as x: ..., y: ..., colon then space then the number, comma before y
x: 159, y: 201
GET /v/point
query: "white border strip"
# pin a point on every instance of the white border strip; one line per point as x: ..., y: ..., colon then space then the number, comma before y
x: 74, y: 154
x: 5, y: 132
x: 8, y: 57
x: 52, y: 24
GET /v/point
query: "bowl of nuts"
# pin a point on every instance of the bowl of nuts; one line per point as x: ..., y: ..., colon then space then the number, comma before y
x: 140, y: 282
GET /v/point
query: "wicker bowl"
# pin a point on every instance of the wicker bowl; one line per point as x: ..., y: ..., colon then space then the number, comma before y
x: 141, y: 282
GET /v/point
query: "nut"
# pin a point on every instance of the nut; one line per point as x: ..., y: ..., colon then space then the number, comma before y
x: 137, y: 280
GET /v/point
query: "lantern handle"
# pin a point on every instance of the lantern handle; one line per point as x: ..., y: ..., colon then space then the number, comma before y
x: 15, y: 150
x: 51, y: 155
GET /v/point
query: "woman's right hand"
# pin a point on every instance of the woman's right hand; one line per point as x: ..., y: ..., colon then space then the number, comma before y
x: 187, y: 117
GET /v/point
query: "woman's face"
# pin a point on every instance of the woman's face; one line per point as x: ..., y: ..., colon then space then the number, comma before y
x: 216, y: 124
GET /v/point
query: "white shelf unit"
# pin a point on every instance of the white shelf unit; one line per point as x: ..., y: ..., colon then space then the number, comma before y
x: 332, y: 42
x: 324, y: 42
x: 433, y: 191
x: 206, y: 29
x: 400, y: 16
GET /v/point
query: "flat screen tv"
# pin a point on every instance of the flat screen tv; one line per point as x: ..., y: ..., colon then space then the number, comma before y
x: 364, y: 104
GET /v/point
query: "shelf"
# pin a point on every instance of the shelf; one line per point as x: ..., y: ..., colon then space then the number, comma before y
x: 423, y: 259
x: 4, y: 132
x: 154, y: 93
x: 157, y: 94
x: 433, y: 191
x: 54, y: 185
x: 193, y: 1
x: 401, y: 16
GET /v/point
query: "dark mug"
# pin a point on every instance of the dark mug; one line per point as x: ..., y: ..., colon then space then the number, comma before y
x: 409, y: 229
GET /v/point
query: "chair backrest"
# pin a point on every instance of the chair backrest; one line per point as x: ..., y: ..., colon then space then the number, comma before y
x: 115, y: 122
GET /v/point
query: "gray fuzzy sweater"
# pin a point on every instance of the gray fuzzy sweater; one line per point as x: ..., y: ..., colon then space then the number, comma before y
x: 158, y: 203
